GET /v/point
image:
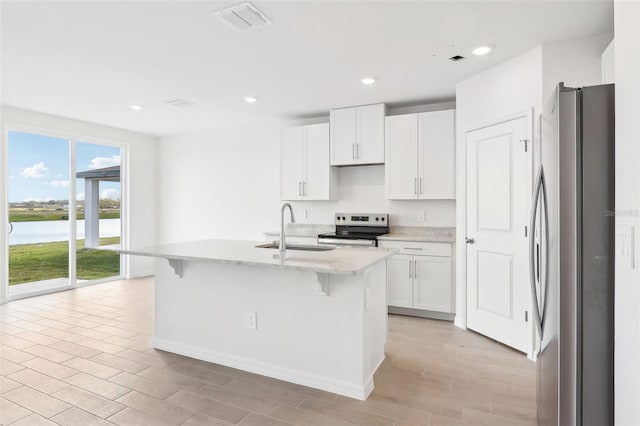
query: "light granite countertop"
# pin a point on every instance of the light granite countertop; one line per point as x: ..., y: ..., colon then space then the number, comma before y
x: 341, y: 260
x: 430, y: 234
x: 302, y: 230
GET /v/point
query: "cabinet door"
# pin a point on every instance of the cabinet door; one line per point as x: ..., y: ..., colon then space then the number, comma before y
x: 343, y: 136
x: 317, y: 171
x: 370, y: 138
x: 432, y: 286
x: 401, y: 162
x: 437, y: 154
x: 399, y: 288
x: 291, y: 163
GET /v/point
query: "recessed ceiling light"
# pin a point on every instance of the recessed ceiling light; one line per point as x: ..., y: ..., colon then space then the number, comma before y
x: 368, y: 81
x: 481, y: 50
x: 250, y: 100
x: 136, y: 107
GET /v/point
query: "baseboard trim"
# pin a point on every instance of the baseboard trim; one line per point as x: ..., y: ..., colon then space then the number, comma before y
x: 351, y: 390
x: 421, y: 313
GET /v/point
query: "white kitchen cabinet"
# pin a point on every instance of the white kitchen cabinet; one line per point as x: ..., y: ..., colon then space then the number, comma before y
x: 399, y: 273
x: 420, y: 277
x: 420, y: 156
x: 357, y: 135
x: 432, y: 284
x: 401, y: 162
x: 305, y: 170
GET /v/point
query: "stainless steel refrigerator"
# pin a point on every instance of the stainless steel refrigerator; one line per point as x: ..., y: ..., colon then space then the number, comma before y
x: 572, y: 257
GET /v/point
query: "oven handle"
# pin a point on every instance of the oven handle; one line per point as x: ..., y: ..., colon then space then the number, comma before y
x: 346, y: 242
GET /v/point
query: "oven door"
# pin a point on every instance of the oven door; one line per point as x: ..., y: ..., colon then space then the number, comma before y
x: 346, y: 242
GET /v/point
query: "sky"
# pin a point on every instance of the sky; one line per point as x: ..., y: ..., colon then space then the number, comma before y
x: 39, y: 167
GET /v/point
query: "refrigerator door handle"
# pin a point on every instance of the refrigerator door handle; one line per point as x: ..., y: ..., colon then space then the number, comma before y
x: 545, y: 248
x: 532, y: 236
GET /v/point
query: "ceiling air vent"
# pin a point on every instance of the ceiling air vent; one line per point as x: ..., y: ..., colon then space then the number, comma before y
x: 242, y: 17
x: 456, y: 58
x: 179, y: 103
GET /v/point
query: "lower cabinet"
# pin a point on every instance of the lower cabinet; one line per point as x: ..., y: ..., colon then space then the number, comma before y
x: 432, y: 286
x: 400, y: 281
x: 421, y: 281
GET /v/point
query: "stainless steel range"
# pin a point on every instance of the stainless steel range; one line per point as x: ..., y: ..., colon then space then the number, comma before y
x: 357, y: 229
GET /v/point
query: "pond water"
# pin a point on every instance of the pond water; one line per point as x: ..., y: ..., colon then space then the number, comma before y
x: 57, y: 230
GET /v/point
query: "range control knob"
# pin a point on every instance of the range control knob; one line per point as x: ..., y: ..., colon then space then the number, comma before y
x: 377, y: 219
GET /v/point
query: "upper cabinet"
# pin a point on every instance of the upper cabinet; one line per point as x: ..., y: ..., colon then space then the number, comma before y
x: 305, y: 169
x: 419, y: 156
x: 357, y: 135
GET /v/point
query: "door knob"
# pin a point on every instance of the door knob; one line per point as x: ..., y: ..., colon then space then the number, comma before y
x: 469, y: 240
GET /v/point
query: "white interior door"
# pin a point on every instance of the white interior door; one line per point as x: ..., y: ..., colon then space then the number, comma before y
x: 316, y: 171
x: 292, y: 141
x: 497, y: 213
x: 401, y: 164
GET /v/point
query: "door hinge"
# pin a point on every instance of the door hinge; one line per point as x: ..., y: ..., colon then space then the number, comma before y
x: 525, y: 141
x: 526, y: 316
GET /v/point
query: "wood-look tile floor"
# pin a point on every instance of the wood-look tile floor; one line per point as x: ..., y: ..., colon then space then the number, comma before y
x: 84, y: 357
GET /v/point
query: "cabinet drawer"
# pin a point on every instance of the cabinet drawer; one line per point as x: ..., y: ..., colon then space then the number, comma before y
x: 418, y: 248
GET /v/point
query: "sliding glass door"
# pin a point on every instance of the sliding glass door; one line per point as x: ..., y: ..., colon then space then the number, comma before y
x: 98, y: 204
x: 64, y: 209
x: 38, y: 196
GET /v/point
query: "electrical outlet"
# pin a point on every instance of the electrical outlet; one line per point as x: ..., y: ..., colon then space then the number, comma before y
x: 421, y: 215
x: 252, y: 320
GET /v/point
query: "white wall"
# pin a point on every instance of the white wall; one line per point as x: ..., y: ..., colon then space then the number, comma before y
x: 226, y: 184
x: 627, y: 301
x: 575, y: 62
x: 512, y: 87
x: 221, y: 184
x: 520, y: 84
x: 142, y: 179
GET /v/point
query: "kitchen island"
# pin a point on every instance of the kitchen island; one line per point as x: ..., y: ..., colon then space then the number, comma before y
x: 316, y: 318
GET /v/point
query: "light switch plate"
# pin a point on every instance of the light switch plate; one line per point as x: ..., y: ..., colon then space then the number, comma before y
x: 625, y: 245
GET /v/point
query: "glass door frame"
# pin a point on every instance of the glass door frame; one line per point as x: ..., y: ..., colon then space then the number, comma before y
x: 72, y: 139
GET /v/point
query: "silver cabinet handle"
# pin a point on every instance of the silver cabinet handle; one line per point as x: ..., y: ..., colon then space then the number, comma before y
x: 415, y: 186
x: 410, y: 268
x: 304, y: 188
x: 411, y: 248
x: 469, y: 240
x: 10, y: 228
x: 415, y: 269
x: 353, y: 151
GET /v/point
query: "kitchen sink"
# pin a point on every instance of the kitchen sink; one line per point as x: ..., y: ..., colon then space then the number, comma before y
x: 297, y: 247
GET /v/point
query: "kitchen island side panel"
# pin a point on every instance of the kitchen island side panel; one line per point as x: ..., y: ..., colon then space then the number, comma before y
x: 326, y: 342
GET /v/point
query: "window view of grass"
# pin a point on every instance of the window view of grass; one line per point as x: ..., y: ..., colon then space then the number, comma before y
x: 41, y: 187
x: 35, y: 262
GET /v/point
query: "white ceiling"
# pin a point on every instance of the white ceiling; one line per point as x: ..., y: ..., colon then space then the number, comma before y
x: 90, y: 60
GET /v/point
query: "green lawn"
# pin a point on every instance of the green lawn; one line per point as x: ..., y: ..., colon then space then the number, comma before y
x: 36, y: 262
x: 36, y: 216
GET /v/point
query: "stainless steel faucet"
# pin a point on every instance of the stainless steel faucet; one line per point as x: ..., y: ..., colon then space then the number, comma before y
x: 283, y: 244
